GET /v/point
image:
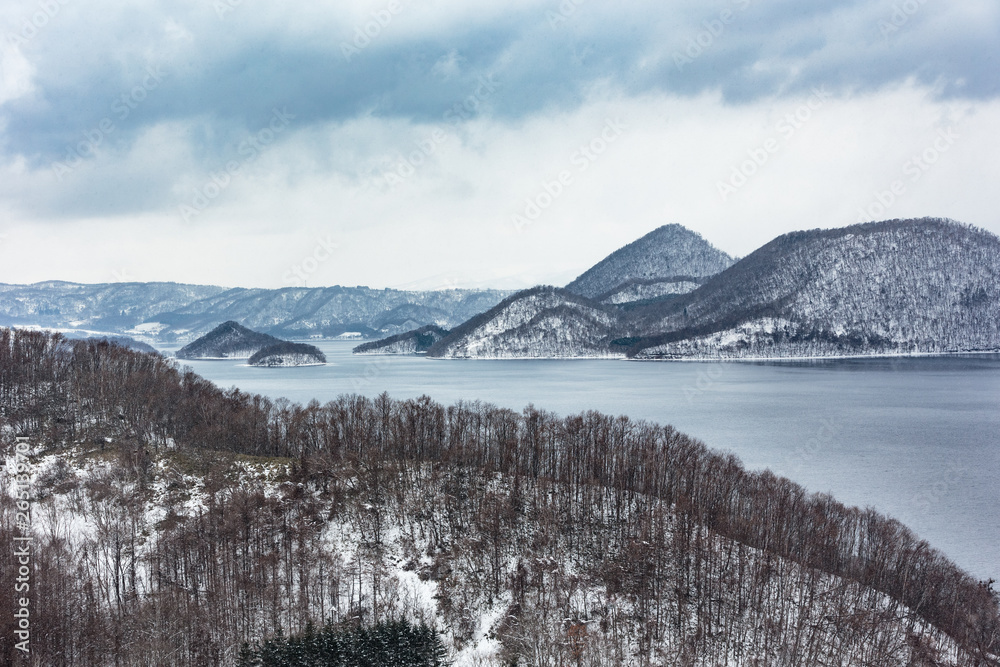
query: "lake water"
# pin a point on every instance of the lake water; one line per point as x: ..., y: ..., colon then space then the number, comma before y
x: 916, y: 438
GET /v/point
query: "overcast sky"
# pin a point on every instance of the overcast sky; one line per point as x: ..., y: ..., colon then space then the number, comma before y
x: 435, y: 144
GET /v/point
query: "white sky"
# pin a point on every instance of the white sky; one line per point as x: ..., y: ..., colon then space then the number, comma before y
x: 112, y: 121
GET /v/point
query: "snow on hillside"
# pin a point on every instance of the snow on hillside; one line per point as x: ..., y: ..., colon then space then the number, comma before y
x: 641, y: 290
x: 412, y: 342
x: 542, y: 322
x: 668, y: 252
x: 924, y: 286
x: 773, y: 338
x: 168, y: 311
x: 229, y: 340
x: 331, y: 311
x: 411, y: 552
x: 401, y: 346
x: 112, y: 308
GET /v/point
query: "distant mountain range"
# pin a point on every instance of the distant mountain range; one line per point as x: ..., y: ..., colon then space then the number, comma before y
x: 583, y: 318
x: 923, y: 286
x: 169, y: 312
x: 105, y: 308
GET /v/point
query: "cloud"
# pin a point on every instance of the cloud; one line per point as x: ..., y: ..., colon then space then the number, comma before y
x: 234, y: 70
x: 115, y: 114
x: 449, y: 219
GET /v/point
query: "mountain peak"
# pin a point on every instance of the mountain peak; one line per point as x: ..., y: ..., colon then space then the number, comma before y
x: 229, y: 340
x: 666, y: 254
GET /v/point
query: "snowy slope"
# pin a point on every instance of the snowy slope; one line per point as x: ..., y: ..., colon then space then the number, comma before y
x: 897, y: 287
x: 917, y: 286
x: 426, y: 558
x: 177, y: 520
x: 669, y: 252
x: 229, y: 340
x: 115, y: 307
x: 168, y: 311
x: 641, y: 290
x: 411, y: 342
x: 330, y: 311
x: 540, y: 322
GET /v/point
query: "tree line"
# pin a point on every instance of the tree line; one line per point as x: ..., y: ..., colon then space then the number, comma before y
x: 688, y: 547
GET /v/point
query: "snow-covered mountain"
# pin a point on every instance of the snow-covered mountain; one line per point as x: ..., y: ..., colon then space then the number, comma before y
x: 229, y: 340
x: 671, y: 254
x: 900, y: 286
x: 331, y: 311
x: 168, y: 312
x: 539, y: 322
x: 111, y: 308
x: 924, y: 286
x: 411, y: 342
x: 643, y: 290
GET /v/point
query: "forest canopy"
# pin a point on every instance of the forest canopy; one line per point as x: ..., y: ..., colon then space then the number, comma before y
x: 216, y: 517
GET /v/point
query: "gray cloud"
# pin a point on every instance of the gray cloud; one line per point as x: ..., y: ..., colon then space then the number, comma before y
x: 220, y: 79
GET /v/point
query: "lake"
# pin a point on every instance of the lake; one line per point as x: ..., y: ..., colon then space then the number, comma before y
x: 916, y: 438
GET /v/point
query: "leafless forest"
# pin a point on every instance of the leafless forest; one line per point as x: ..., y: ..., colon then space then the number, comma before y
x: 579, y: 540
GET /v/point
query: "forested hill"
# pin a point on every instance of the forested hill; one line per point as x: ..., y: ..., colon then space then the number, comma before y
x: 109, y: 307
x: 924, y: 286
x: 229, y: 340
x: 898, y: 286
x: 169, y: 312
x: 538, y: 322
x: 410, y: 342
x: 172, y: 521
x: 329, y: 311
x: 670, y: 255
x: 286, y: 355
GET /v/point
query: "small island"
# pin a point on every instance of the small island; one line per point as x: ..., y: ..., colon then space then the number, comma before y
x: 286, y: 354
x: 229, y: 340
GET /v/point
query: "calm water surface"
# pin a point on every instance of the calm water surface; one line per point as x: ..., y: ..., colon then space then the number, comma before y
x: 918, y: 439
